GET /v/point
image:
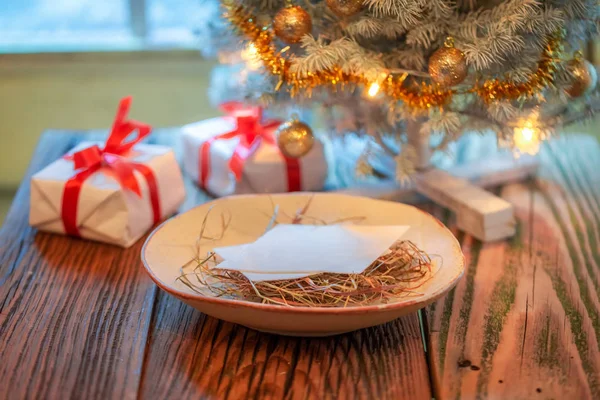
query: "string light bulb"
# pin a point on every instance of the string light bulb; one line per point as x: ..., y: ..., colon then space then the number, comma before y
x: 527, y: 138
x: 375, y: 86
x: 251, y: 57
x: 373, y: 89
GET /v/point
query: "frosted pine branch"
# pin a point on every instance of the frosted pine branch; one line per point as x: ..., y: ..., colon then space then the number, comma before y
x: 442, y: 122
x: 500, y: 38
x: 370, y: 27
x: 320, y: 56
x: 424, y: 35
x: 545, y: 21
x: 405, y: 11
x: 502, y: 111
x: 439, y: 9
x: 366, y: 27
x: 409, y: 59
x: 494, y: 48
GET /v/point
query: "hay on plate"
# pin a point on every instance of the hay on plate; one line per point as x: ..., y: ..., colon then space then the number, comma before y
x: 396, y: 274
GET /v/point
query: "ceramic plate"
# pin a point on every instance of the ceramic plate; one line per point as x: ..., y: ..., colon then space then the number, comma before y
x: 173, y: 244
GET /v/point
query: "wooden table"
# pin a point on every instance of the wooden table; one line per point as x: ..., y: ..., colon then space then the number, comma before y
x: 80, y: 319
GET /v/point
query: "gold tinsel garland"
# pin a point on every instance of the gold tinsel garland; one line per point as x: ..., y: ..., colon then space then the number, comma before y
x: 420, y: 97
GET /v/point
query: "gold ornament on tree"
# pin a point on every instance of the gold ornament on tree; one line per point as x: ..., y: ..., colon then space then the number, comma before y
x: 294, y: 138
x: 291, y: 23
x: 344, y: 8
x: 448, y: 65
x: 584, y: 76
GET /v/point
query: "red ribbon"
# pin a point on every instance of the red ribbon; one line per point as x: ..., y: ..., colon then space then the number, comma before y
x: 91, y: 159
x: 251, y: 132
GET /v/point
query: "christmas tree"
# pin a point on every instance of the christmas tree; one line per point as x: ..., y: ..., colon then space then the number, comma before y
x: 416, y: 74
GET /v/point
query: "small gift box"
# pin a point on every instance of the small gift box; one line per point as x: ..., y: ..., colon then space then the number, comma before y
x: 113, y: 193
x: 238, y: 154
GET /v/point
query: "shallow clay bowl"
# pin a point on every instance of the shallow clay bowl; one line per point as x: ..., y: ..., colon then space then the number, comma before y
x: 174, y: 243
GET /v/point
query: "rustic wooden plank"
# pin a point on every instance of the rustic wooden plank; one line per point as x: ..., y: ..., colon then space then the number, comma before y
x: 194, y: 356
x: 73, y: 314
x: 525, y: 321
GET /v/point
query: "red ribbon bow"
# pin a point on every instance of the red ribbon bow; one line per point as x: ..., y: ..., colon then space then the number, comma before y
x: 91, y: 159
x: 251, y: 132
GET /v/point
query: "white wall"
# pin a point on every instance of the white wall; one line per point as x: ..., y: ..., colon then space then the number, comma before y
x: 81, y: 91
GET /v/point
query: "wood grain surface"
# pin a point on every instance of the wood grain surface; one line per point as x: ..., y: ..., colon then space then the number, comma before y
x: 191, y: 355
x: 524, y: 322
x: 80, y: 319
x: 73, y: 313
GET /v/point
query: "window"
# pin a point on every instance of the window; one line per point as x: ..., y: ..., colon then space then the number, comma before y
x: 89, y: 25
x: 173, y: 20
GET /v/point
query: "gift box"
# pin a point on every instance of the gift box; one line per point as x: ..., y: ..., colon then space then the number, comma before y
x: 112, y: 192
x: 238, y: 153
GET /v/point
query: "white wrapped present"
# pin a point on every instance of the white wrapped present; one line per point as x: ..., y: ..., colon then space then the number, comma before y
x: 238, y: 154
x: 113, y: 194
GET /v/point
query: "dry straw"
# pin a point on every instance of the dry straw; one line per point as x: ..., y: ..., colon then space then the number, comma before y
x: 396, y: 274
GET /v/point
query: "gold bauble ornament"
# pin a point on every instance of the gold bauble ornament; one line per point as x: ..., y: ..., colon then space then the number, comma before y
x: 344, y: 8
x: 584, y: 76
x: 295, y: 139
x: 448, y: 65
x: 291, y: 23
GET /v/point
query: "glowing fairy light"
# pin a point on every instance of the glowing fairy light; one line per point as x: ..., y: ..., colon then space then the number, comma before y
x: 377, y: 83
x: 373, y: 89
x: 251, y: 57
x: 527, y: 138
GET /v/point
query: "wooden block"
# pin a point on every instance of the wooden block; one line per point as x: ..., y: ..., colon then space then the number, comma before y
x: 490, y: 234
x: 480, y: 213
x: 482, y: 209
x: 475, y: 205
x: 440, y: 187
